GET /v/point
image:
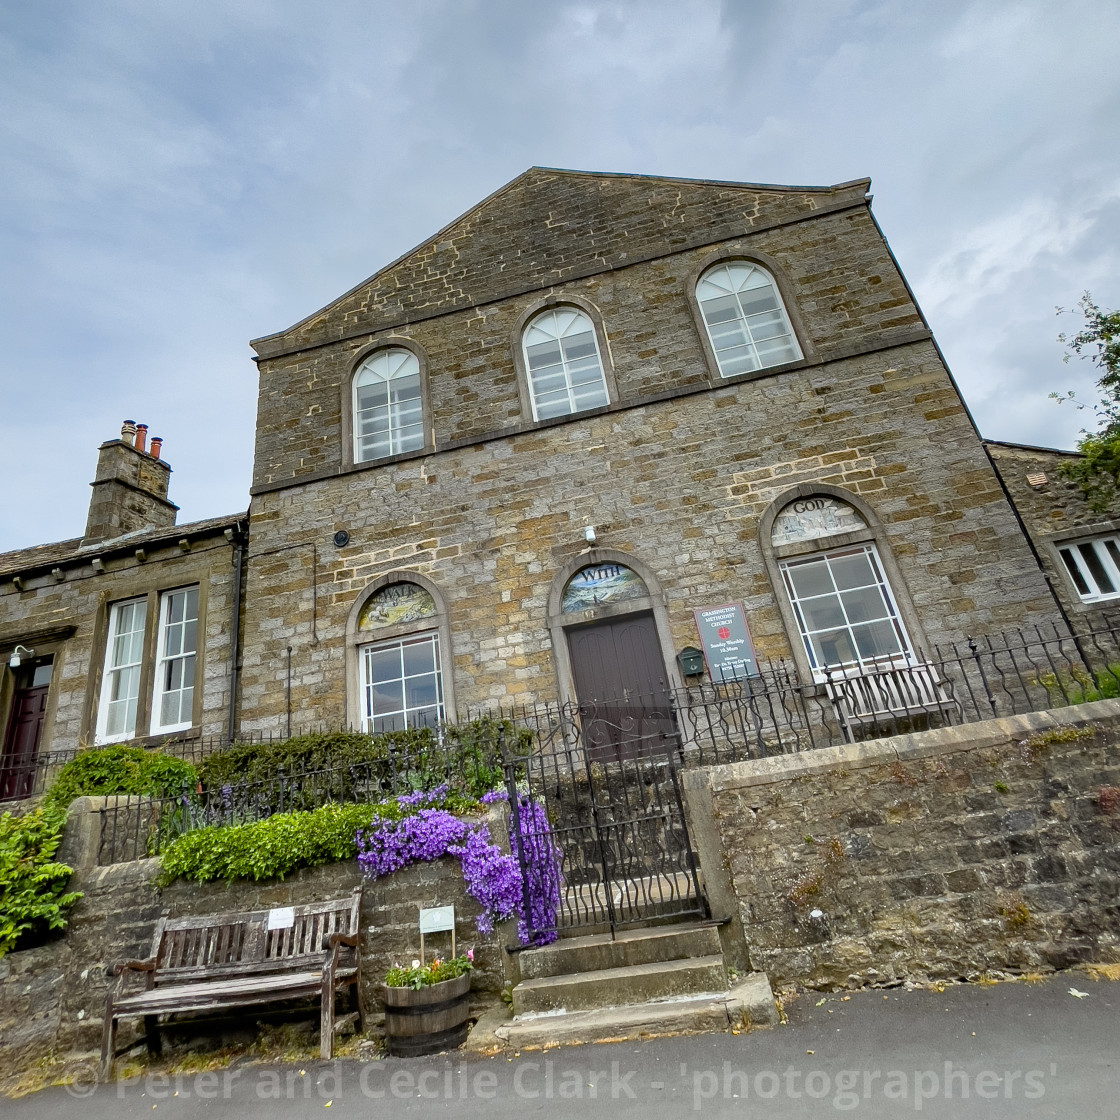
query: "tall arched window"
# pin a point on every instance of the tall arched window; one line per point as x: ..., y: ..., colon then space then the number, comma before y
x: 747, y: 324
x: 562, y: 363
x: 388, y: 410
x: 401, y: 675
x: 845, y: 609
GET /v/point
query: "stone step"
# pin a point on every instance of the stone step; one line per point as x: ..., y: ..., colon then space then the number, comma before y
x: 748, y: 1005
x: 616, y: 987
x: 599, y: 951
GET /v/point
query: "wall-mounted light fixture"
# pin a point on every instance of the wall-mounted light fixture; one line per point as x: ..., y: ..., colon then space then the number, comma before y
x: 18, y: 653
x: 589, y: 534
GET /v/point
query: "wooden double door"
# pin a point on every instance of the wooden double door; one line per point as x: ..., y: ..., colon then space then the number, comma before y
x: 619, y: 673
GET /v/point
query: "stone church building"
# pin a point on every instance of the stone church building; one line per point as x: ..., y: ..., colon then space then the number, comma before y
x: 597, y: 421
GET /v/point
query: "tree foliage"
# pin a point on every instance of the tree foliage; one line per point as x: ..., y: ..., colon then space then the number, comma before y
x: 1097, y: 473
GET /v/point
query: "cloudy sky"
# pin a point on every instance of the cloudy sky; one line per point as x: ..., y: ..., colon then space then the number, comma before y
x: 177, y: 178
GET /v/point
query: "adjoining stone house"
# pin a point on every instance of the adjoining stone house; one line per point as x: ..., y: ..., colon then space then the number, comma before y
x: 125, y: 633
x: 510, y: 466
x: 1077, y: 546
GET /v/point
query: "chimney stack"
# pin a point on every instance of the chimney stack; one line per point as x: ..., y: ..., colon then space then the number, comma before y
x: 130, y: 488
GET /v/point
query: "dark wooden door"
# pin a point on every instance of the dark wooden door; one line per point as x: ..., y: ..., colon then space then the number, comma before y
x: 620, y: 684
x: 21, y: 742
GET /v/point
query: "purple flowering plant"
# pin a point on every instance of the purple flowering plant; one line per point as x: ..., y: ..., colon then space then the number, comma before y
x: 493, y: 878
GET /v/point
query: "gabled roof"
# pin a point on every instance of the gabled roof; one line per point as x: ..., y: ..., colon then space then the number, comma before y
x: 550, y: 225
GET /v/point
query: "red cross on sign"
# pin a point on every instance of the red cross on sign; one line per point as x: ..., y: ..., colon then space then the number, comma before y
x: 724, y: 633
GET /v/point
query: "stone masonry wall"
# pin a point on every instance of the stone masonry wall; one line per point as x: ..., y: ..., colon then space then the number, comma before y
x: 1054, y: 510
x: 52, y: 998
x: 679, y: 486
x: 992, y: 847
x: 81, y: 599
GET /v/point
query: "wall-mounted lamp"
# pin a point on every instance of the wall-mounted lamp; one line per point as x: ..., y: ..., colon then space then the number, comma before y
x: 18, y: 653
x: 589, y: 534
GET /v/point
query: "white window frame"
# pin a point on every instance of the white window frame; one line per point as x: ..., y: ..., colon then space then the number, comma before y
x: 380, y: 370
x: 367, y: 715
x: 552, y: 325
x: 112, y: 671
x: 1077, y: 557
x: 861, y: 664
x: 164, y: 659
x: 750, y: 336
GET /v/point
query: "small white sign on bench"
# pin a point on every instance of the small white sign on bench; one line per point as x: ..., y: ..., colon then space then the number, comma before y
x: 437, y: 919
x: 282, y: 917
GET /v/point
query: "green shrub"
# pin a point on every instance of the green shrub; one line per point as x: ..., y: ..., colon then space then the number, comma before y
x: 101, y: 771
x: 467, y: 756
x: 275, y: 847
x: 33, y: 897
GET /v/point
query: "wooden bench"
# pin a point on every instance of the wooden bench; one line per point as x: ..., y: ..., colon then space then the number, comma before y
x: 888, y: 695
x: 217, y: 961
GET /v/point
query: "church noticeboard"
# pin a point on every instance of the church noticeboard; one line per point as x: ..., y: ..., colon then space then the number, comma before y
x: 728, y: 648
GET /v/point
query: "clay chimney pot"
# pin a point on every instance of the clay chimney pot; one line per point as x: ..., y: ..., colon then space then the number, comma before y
x: 156, y: 444
x: 141, y: 436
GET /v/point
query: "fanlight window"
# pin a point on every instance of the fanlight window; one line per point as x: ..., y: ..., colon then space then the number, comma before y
x: 599, y: 585
x: 746, y: 322
x: 563, y: 364
x: 388, y: 413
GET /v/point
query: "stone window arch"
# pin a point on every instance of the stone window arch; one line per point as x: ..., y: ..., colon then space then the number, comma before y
x: 838, y: 588
x: 745, y: 320
x: 398, y: 652
x: 595, y: 588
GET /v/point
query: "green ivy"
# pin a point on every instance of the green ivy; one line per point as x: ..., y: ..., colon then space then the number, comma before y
x: 101, y: 771
x: 275, y: 847
x: 33, y: 896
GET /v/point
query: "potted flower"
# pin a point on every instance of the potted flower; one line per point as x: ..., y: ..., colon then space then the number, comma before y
x: 427, y: 1005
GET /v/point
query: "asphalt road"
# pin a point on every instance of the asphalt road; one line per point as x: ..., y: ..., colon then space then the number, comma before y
x: 1012, y: 1050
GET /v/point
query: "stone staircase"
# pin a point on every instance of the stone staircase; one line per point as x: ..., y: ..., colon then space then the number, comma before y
x: 647, y: 982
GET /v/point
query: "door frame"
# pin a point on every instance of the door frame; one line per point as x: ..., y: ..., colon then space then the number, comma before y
x: 558, y: 623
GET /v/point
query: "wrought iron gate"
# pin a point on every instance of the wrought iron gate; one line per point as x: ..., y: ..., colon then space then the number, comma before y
x: 597, y: 796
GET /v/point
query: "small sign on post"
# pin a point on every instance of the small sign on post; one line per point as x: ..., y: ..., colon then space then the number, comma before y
x: 437, y: 919
x: 728, y: 648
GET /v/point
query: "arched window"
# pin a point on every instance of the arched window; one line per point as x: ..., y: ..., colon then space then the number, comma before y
x: 562, y: 363
x: 400, y: 677
x: 387, y: 408
x: 747, y: 324
x: 838, y: 590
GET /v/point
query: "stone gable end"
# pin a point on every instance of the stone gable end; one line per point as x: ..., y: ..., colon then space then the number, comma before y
x: 548, y: 226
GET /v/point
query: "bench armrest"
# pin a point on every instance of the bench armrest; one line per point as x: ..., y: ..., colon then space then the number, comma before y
x: 133, y: 966
x: 336, y: 939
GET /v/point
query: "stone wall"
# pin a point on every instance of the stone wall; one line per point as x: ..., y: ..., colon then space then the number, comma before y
x: 1053, y: 510
x: 52, y: 998
x: 67, y: 617
x: 993, y: 847
x: 675, y: 474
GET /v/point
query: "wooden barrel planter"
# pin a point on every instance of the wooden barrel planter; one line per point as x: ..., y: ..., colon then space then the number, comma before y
x: 427, y: 1020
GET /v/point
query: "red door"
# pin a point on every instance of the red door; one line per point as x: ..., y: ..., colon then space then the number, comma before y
x: 620, y: 683
x: 21, y: 741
